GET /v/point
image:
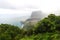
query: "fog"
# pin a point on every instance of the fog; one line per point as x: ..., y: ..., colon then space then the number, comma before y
x: 12, y: 19
x: 14, y: 11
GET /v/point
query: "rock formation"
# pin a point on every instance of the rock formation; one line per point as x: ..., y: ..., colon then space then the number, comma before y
x: 35, y: 17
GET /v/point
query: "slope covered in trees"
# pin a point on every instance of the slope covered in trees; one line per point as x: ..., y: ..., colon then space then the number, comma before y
x: 46, y: 29
x: 9, y: 32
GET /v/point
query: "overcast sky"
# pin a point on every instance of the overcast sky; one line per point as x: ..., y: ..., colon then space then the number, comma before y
x: 21, y: 7
x: 12, y: 10
x: 25, y: 7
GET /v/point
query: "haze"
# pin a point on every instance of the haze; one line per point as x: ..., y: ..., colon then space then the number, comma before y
x: 19, y: 8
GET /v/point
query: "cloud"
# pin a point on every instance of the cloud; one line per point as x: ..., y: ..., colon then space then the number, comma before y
x: 19, y: 4
x: 6, y: 5
x: 28, y: 5
x: 22, y: 7
x: 16, y: 6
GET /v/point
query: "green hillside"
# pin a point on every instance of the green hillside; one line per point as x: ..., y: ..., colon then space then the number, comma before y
x: 46, y: 29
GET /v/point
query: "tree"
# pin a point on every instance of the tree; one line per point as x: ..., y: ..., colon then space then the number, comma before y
x: 47, y: 24
x: 9, y: 31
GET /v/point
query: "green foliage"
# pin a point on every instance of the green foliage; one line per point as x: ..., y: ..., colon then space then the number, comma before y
x: 9, y: 32
x: 48, y: 24
x: 5, y: 36
x: 46, y: 29
x: 45, y: 36
x: 28, y: 26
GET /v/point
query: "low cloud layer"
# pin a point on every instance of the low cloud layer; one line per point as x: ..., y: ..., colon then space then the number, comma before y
x: 17, y: 4
x: 29, y: 5
x: 5, y: 5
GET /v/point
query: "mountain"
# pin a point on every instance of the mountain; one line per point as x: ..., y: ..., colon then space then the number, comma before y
x: 36, y: 16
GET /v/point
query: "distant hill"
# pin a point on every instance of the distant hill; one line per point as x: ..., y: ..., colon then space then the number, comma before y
x: 35, y: 17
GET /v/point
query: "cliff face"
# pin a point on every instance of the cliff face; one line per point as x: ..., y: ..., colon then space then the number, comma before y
x: 36, y: 14
x: 35, y: 17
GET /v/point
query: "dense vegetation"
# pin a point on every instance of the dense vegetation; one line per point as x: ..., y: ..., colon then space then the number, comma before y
x: 46, y: 29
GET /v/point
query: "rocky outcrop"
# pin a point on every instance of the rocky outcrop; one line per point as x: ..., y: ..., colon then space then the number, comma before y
x: 35, y: 17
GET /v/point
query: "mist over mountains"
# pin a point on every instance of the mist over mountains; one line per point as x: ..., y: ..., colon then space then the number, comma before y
x: 14, y: 19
